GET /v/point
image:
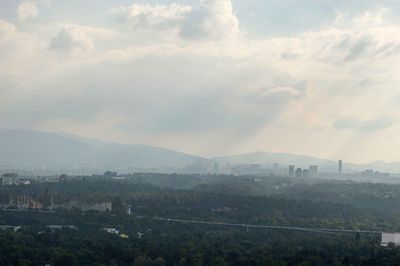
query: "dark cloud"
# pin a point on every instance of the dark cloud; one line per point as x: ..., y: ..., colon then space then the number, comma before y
x: 359, y: 48
x: 71, y: 39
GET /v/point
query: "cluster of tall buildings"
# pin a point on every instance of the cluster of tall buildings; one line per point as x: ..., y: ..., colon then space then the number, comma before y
x: 371, y: 173
x: 312, y: 171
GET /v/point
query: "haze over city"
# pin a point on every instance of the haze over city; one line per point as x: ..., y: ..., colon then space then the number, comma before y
x: 199, y: 132
x: 210, y: 77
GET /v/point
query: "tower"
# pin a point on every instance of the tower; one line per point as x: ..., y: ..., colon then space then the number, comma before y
x: 299, y: 173
x: 306, y: 173
x: 313, y: 169
x: 340, y: 167
x: 291, y: 170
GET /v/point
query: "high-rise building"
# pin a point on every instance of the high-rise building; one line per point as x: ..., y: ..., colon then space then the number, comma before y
x: 340, y: 166
x: 306, y: 173
x: 299, y: 172
x: 313, y: 170
x: 291, y: 170
x: 368, y: 173
x: 215, y: 169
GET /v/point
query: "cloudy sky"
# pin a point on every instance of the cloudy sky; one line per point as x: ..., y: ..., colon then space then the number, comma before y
x: 207, y: 77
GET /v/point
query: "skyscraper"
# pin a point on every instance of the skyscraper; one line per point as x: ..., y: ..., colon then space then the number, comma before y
x: 306, y: 173
x: 291, y: 170
x: 340, y: 167
x: 313, y: 169
x: 299, y: 173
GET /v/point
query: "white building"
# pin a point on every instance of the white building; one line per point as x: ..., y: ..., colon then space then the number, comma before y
x: 390, y: 238
x: 102, y: 207
x: 111, y: 230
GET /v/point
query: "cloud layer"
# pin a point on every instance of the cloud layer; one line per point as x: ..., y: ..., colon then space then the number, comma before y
x: 188, y: 76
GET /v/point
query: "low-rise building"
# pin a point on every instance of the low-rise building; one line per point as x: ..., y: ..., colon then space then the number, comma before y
x: 101, y: 207
x: 10, y: 227
x: 388, y: 238
x: 53, y: 228
x: 112, y: 230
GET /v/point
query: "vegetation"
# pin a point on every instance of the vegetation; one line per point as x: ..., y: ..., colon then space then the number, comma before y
x: 271, y: 201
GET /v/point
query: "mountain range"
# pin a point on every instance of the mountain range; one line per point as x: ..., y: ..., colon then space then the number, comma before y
x: 35, y: 150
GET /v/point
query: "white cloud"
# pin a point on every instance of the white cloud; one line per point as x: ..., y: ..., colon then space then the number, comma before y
x: 142, y: 16
x: 27, y: 10
x: 45, y: 3
x: 7, y: 30
x: 213, y: 19
x: 198, y: 79
x: 365, y: 36
x: 19, y: 51
x: 210, y: 20
x: 279, y: 95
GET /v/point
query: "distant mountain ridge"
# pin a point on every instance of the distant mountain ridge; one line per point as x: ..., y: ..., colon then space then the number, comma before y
x: 30, y: 150
x: 266, y: 157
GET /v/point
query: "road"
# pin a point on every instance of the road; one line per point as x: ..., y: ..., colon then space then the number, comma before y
x: 314, y: 230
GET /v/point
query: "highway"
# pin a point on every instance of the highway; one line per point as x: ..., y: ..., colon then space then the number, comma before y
x: 276, y: 227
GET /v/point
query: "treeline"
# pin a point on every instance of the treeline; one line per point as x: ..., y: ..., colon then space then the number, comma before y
x: 336, y: 205
x: 295, y: 204
x: 168, y: 244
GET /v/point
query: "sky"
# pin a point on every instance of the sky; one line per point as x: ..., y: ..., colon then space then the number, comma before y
x: 207, y: 77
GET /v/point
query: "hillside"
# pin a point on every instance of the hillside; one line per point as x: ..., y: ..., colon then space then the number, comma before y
x: 30, y: 150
